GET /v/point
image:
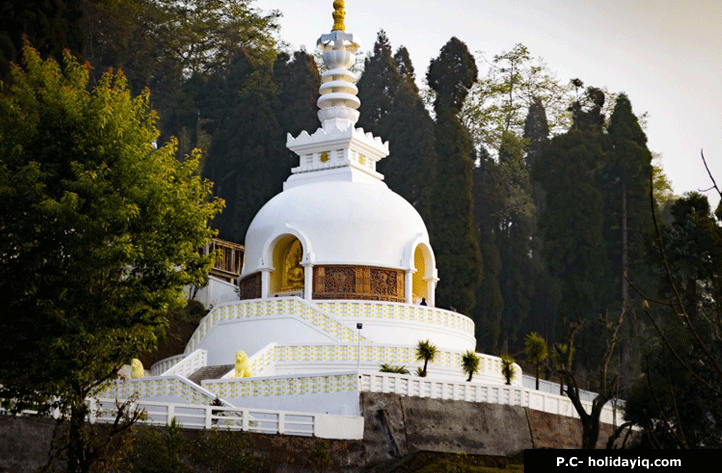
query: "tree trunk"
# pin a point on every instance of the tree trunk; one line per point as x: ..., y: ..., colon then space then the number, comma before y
x: 77, y: 461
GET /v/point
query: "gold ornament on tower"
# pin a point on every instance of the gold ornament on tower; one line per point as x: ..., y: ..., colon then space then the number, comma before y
x: 339, y: 14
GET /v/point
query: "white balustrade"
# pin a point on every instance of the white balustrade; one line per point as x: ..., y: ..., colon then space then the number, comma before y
x: 230, y: 418
x: 189, y: 365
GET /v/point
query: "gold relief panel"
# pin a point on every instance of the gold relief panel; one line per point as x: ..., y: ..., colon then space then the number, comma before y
x: 358, y: 282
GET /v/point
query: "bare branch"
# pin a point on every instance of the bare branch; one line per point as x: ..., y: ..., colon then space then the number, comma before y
x: 709, y: 173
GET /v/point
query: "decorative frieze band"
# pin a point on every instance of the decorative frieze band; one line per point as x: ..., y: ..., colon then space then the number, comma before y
x: 358, y: 282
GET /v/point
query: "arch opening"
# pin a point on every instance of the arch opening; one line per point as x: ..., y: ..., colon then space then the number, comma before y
x: 421, y: 279
x: 287, y: 277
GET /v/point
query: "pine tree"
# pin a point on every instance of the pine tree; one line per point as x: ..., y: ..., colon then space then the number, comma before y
x: 546, y: 287
x: 572, y: 224
x: 247, y: 159
x: 629, y: 168
x: 392, y: 109
x: 297, y: 80
x: 628, y: 214
x: 488, y: 202
x: 457, y: 250
x: 516, y: 224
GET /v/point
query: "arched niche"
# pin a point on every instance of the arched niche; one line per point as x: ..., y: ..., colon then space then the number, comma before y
x: 287, y: 277
x: 423, y: 280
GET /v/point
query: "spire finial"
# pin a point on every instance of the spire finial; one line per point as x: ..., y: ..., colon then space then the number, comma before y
x: 339, y: 14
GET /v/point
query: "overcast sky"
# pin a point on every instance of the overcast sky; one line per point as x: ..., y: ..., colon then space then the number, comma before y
x: 666, y: 55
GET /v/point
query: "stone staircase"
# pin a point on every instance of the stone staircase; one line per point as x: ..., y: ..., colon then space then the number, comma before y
x: 209, y: 372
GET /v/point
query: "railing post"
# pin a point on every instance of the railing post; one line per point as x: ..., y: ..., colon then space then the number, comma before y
x: 170, y: 413
x: 209, y: 417
x: 281, y: 422
x: 244, y: 422
x: 91, y: 410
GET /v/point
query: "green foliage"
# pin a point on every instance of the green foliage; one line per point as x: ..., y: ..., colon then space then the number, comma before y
x: 100, y: 233
x: 248, y: 160
x: 572, y: 229
x: 677, y: 403
x: 320, y: 458
x: 455, y: 244
x: 169, y: 450
x: 500, y: 100
x: 451, y: 75
x: 535, y: 348
x: 488, y: 200
x: 426, y: 352
x: 470, y: 363
x: 51, y: 26
x: 508, y: 370
x: 392, y: 109
x: 387, y: 368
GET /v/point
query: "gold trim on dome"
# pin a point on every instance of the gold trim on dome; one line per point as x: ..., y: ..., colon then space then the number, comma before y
x: 339, y: 15
x: 361, y: 159
x: 324, y: 157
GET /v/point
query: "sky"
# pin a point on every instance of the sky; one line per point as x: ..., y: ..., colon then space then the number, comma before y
x: 666, y: 55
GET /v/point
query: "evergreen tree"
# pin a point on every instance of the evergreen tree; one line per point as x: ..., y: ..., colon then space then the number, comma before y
x: 50, y: 26
x: 678, y: 401
x: 295, y: 107
x: 572, y: 224
x: 297, y: 80
x: 488, y: 202
x: 450, y: 76
x: 628, y: 173
x: 516, y: 224
x: 546, y: 287
x: 392, y: 109
x: 628, y: 214
x: 247, y: 159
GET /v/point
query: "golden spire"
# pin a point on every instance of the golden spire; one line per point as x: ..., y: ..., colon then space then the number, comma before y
x: 339, y: 14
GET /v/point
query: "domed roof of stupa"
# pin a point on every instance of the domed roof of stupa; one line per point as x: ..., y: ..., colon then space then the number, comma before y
x: 339, y: 222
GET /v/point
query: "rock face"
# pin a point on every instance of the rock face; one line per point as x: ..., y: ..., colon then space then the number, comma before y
x: 396, y: 426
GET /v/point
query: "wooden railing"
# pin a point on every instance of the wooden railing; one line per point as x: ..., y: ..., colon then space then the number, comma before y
x: 230, y: 261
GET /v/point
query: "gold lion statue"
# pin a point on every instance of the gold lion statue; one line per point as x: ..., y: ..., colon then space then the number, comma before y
x: 137, y: 370
x: 243, y: 366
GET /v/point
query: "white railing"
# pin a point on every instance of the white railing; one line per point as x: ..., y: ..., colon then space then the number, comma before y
x: 440, y: 389
x: 165, y: 364
x: 399, y: 311
x: 231, y: 418
x: 338, y: 356
x: 284, y: 385
x: 261, y: 360
x: 169, y: 387
x: 189, y: 365
x: 276, y: 306
x: 481, y: 392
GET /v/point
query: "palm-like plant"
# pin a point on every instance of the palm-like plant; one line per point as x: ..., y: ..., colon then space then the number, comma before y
x: 427, y: 352
x: 536, y: 351
x: 507, y: 368
x: 387, y: 368
x: 562, y: 359
x: 470, y: 363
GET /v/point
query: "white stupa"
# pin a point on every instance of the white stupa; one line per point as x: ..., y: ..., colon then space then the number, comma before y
x: 339, y: 278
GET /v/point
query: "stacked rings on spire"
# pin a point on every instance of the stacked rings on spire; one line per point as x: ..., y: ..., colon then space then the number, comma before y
x: 338, y: 91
